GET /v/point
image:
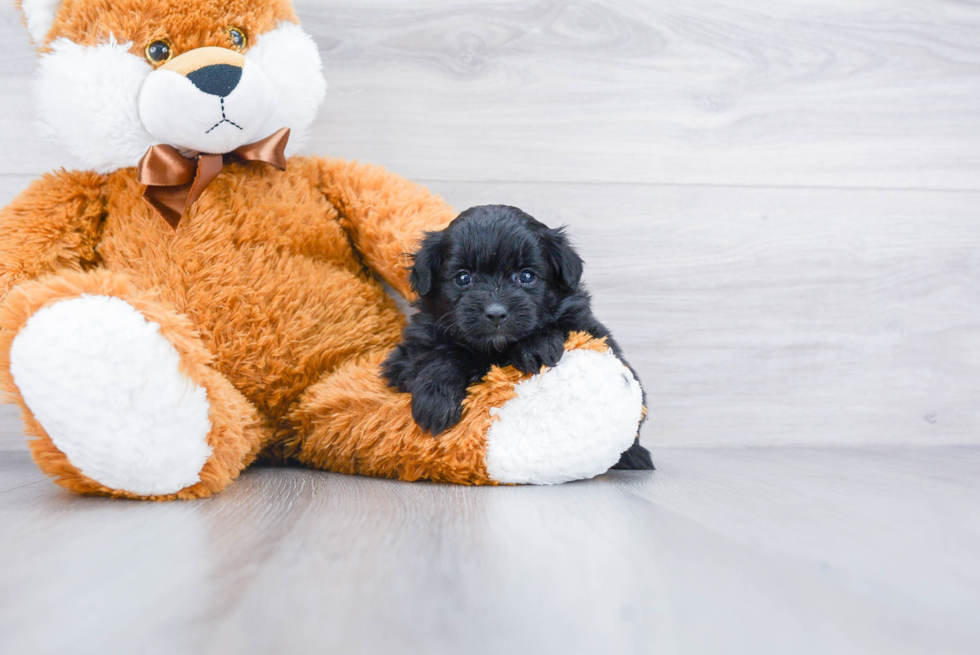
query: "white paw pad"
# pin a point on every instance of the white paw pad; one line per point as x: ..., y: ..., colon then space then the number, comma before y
x: 106, y: 387
x: 568, y: 423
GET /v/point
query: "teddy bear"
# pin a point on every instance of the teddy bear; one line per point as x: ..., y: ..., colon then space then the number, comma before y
x: 196, y: 296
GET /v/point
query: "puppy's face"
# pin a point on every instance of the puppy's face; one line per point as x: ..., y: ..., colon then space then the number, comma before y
x: 495, y: 276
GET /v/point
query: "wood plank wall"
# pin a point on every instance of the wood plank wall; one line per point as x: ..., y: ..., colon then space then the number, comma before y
x: 779, y: 203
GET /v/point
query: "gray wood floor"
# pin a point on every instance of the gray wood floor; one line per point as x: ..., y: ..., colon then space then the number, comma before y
x: 757, y: 550
x: 779, y: 205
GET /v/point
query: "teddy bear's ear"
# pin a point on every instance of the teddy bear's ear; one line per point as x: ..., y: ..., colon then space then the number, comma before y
x: 39, y: 15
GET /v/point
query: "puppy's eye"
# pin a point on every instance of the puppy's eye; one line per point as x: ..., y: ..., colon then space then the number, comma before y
x: 527, y: 277
x: 463, y: 279
x: 238, y: 38
x: 159, y: 51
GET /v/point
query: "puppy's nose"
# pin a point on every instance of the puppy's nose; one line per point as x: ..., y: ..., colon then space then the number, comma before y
x: 217, y: 79
x: 495, y: 313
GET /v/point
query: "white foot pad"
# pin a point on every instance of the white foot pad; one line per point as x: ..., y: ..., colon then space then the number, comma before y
x: 105, y: 385
x: 568, y: 423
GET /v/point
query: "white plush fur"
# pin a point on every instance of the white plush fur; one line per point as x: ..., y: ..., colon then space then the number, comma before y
x: 87, y: 101
x: 568, y: 423
x: 106, y: 387
x: 89, y: 98
x: 176, y: 112
x: 290, y: 59
x: 40, y: 17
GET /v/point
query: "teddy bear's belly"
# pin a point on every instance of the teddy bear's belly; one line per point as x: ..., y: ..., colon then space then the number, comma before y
x: 277, y: 324
x: 280, y: 300
x: 281, y: 325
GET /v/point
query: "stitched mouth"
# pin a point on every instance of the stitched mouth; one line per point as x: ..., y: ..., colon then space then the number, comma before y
x: 224, y: 119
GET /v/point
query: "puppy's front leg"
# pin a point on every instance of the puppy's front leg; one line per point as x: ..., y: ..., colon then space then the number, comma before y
x: 541, y: 349
x: 437, y: 395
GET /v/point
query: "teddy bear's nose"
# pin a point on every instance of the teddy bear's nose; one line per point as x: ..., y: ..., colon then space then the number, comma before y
x: 216, y: 79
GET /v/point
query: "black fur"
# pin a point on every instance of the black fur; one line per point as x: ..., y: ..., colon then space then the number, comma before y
x: 522, y: 297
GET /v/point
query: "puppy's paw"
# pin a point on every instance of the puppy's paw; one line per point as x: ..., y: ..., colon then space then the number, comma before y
x: 529, y: 355
x: 437, y: 409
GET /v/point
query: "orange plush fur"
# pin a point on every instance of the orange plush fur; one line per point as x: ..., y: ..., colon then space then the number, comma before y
x: 188, y: 24
x: 270, y: 289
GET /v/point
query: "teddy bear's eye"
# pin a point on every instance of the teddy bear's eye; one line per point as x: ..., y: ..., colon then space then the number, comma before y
x: 238, y: 38
x: 159, y: 51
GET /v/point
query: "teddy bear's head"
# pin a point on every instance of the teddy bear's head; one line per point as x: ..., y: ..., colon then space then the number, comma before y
x: 208, y: 76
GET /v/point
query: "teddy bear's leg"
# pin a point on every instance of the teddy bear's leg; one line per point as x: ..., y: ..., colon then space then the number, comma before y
x: 567, y: 423
x: 118, y: 390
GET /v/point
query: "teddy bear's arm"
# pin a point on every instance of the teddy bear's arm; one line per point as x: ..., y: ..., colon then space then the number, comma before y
x: 54, y: 224
x: 386, y: 215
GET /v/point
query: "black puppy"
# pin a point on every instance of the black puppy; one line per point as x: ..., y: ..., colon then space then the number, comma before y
x: 496, y: 287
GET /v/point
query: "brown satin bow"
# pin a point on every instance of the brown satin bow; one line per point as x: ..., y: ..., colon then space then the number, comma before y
x: 174, y: 182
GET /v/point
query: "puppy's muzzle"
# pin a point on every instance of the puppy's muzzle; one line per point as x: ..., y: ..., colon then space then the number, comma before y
x: 215, y: 71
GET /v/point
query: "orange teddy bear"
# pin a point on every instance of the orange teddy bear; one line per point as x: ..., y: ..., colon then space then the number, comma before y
x: 198, y: 298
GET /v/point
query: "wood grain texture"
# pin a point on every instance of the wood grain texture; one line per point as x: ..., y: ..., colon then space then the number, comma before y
x: 11, y: 430
x: 876, y: 93
x: 11, y: 186
x: 722, y: 550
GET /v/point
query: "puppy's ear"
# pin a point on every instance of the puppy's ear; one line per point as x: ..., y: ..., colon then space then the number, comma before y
x: 565, y: 262
x: 428, y: 261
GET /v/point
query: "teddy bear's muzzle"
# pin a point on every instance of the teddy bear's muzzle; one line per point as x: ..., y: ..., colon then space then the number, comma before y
x: 209, y: 100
